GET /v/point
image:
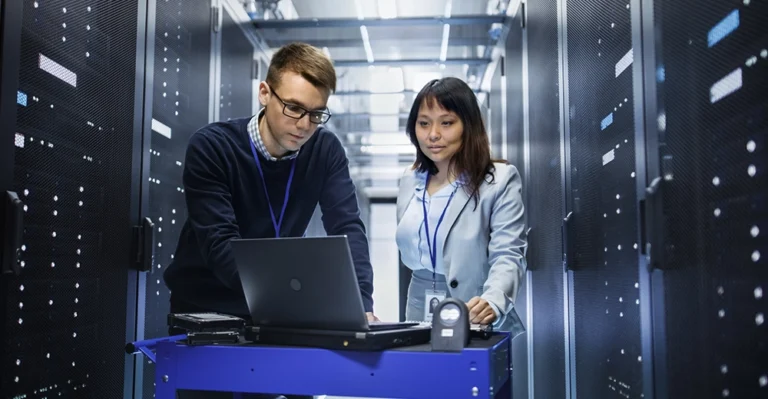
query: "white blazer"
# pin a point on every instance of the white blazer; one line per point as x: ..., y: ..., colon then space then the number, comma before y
x: 484, y: 246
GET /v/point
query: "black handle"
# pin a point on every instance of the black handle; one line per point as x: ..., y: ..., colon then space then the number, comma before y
x: 568, y: 259
x: 13, y: 233
x: 145, y: 245
x: 652, y: 232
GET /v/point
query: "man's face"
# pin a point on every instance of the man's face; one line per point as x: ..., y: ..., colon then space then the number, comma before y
x: 292, y: 97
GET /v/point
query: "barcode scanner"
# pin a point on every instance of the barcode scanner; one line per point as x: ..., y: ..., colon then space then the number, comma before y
x: 450, y: 326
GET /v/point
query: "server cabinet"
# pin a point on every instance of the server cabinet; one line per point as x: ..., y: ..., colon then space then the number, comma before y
x: 545, y: 282
x: 602, y: 221
x: 11, y: 218
x: 181, y: 95
x: 708, y: 197
x: 75, y: 130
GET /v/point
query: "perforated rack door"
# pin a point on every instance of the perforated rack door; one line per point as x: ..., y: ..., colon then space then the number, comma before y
x: 712, y: 86
x: 66, y: 312
x: 603, y: 230
x: 237, y: 63
x: 180, y: 107
x: 545, y: 210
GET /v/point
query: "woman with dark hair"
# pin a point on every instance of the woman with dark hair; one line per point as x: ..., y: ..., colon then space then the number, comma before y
x: 460, y: 214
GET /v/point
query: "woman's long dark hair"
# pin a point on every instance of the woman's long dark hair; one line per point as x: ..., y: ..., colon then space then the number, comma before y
x: 473, y: 160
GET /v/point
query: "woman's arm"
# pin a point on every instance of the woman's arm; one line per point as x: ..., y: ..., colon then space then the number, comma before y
x: 507, y: 245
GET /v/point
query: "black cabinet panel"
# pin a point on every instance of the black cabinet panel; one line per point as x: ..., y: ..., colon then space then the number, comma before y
x: 73, y: 168
x: 603, y: 230
x: 236, y: 88
x: 545, y: 206
x: 712, y: 86
x: 180, y: 107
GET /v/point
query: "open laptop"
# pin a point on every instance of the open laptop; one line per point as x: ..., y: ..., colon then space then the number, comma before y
x: 306, y: 283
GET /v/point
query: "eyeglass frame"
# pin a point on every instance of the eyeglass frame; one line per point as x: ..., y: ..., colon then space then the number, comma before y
x: 304, y: 111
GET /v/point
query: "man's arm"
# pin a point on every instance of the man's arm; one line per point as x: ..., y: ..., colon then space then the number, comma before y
x: 209, y: 206
x: 341, y: 216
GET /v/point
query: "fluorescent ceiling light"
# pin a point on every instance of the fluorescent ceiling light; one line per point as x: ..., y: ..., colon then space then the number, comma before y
x: 388, y: 149
x: 387, y: 9
x: 444, y: 44
x: 366, y: 43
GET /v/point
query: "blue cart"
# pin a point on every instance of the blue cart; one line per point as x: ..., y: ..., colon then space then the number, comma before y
x: 479, y: 371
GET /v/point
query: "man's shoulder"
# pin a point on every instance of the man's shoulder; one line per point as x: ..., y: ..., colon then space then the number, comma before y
x: 325, y: 138
x: 221, y: 131
x: 325, y: 144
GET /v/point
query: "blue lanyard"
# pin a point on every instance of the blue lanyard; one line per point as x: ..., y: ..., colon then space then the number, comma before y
x: 433, y: 245
x: 275, y: 223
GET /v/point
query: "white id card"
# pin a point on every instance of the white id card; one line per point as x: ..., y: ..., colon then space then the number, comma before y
x: 431, y: 299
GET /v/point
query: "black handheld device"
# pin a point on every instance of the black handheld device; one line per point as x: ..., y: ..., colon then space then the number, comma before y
x: 450, y: 326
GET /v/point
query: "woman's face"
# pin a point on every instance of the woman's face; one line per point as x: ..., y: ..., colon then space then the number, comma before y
x: 439, y: 133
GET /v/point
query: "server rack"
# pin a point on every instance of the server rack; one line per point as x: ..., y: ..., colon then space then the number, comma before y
x: 104, y: 98
x: 546, y: 325
x: 179, y: 63
x: 602, y: 232
x: 707, y: 196
x: 76, y: 125
x: 204, y: 56
x: 10, y: 218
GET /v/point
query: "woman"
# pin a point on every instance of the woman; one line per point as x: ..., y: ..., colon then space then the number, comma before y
x: 461, y: 220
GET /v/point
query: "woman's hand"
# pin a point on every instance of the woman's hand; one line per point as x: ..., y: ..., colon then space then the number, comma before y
x: 480, y: 311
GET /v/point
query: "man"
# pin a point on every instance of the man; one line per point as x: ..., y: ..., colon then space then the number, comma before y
x: 262, y: 177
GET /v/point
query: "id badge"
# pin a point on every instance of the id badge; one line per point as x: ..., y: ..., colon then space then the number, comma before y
x: 431, y: 299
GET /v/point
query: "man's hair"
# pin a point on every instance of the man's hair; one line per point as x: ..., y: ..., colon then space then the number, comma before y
x: 308, y: 61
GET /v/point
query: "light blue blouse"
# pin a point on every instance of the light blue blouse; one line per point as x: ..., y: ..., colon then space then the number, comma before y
x: 411, y: 231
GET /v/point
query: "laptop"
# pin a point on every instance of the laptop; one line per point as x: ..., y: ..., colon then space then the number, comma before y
x: 305, y: 284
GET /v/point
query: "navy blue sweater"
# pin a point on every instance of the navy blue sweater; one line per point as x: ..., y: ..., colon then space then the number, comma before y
x: 225, y: 200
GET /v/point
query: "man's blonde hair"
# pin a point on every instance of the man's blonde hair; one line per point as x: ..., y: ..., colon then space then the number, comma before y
x: 308, y: 61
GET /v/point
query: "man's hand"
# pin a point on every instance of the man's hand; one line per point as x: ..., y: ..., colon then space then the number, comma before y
x: 480, y: 311
x: 371, y: 317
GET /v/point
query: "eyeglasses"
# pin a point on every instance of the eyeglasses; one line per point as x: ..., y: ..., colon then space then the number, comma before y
x: 297, y: 112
